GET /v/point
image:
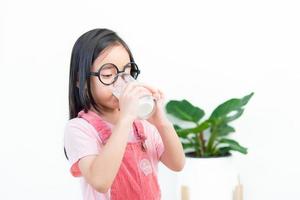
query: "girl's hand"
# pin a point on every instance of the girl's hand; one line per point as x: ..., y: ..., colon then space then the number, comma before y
x: 129, y: 99
x: 158, y: 117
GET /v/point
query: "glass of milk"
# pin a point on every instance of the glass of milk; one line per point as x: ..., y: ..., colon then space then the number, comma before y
x: 146, y: 104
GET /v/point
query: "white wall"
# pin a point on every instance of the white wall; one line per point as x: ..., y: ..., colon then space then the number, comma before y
x: 205, y: 52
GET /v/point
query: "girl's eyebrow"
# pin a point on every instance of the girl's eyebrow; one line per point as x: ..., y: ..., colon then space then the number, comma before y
x: 123, y: 66
x: 107, y: 66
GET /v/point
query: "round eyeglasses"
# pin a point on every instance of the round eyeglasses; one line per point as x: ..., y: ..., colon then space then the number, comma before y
x: 109, y: 72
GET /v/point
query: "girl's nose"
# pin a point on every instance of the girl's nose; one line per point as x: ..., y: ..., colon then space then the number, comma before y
x: 120, y: 83
x: 121, y: 79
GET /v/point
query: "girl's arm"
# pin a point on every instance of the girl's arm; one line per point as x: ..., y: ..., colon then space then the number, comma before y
x: 173, y: 156
x: 100, y: 170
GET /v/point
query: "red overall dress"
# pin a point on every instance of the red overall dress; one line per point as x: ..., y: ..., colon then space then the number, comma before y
x: 135, y: 179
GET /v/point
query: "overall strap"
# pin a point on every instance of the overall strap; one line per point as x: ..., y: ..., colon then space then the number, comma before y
x: 104, y: 129
x: 98, y: 123
x: 139, y: 131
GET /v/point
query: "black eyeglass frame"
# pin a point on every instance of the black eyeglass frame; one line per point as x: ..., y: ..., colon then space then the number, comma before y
x: 134, y: 70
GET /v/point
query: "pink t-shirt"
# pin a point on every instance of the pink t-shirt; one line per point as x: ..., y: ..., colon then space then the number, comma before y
x: 81, y: 139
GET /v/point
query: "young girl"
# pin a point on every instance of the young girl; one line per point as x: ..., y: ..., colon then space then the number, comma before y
x: 115, y: 154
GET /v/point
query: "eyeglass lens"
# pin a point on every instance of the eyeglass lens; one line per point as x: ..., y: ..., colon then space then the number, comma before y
x: 109, y: 72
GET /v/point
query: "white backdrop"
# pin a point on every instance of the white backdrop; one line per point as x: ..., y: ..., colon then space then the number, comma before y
x: 206, y: 52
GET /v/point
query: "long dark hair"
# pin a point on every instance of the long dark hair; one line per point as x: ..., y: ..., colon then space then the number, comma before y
x: 85, y: 50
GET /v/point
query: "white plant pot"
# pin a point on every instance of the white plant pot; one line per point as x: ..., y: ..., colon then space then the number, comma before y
x: 209, y: 178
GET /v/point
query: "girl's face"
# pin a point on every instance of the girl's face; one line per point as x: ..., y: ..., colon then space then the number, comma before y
x: 102, y: 94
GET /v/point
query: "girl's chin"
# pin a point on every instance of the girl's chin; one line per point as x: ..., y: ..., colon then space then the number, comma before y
x: 115, y: 102
x: 111, y: 104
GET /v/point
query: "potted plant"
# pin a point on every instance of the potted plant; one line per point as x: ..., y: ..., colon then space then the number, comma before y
x: 209, y: 172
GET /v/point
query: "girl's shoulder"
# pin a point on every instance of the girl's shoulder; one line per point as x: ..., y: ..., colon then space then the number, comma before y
x: 79, y: 126
x: 78, y: 122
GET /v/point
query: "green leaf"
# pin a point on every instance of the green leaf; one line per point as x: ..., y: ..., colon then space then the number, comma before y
x: 183, y: 133
x: 207, y: 154
x: 184, y: 110
x: 191, y: 145
x: 176, y: 127
x: 233, y: 145
x: 188, y: 145
x: 224, y: 130
x: 223, y: 113
x: 223, y: 151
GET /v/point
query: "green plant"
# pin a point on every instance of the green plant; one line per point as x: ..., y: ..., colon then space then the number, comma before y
x: 208, y: 138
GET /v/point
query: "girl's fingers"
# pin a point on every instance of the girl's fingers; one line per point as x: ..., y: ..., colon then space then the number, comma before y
x: 156, y: 93
x: 153, y: 90
x: 139, y: 92
x: 162, y: 95
x: 159, y: 95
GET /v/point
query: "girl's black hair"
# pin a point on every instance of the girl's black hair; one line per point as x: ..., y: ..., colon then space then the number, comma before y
x: 85, y: 50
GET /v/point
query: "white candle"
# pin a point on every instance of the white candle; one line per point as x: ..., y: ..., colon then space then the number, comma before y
x: 185, y: 193
x: 238, y: 191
